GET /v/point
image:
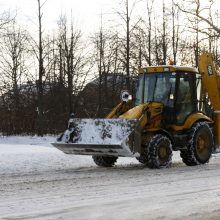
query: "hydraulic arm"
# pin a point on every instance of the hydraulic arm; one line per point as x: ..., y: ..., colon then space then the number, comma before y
x: 211, y: 86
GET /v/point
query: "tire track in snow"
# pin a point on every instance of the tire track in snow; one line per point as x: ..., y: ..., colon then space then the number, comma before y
x: 121, y: 192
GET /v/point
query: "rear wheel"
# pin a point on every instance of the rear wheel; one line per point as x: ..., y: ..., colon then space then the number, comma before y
x: 159, y: 152
x: 200, y: 145
x: 105, y: 161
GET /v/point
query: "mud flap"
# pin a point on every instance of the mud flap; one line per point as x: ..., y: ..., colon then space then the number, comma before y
x: 110, y: 137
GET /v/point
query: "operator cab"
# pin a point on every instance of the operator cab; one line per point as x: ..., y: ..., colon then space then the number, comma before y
x: 175, y: 87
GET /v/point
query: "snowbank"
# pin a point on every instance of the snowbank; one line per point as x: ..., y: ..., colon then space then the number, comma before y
x: 35, y: 154
x: 24, y: 154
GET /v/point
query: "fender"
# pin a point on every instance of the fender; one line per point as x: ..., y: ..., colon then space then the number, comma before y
x: 191, y: 119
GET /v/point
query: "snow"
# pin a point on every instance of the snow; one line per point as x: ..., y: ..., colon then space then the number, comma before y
x: 102, y: 131
x: 37, y: 181
x: 30, y: 154
x: 110, y: 132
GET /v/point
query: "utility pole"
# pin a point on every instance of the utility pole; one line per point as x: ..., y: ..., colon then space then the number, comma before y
x: 100, y: 46
x: 40, y: 74
x: 164, y: 44
x: 127, y: 46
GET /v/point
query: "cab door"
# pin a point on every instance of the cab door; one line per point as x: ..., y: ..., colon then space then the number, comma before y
x: 186, y: 100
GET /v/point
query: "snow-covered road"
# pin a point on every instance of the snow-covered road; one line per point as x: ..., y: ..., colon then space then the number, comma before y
x: 39, y: 182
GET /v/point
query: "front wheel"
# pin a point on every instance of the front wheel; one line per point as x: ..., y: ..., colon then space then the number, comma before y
x: 104, y: 161
x: 159, y: 152
x: 143, y: 157
x: 200, y: 145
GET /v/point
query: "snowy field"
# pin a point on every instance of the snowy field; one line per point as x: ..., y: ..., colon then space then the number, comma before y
x: 39, y: 182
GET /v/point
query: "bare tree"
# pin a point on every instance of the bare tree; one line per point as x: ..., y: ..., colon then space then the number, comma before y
x: 204, y: 25
x: 198, y: 13
x: 14, y: 50
x: 5, y: 18
x: 126, y: 15
x: 13, y: 67
x: 74, y: 60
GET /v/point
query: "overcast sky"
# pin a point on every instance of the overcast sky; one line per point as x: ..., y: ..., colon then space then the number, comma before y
x: 86, y: 13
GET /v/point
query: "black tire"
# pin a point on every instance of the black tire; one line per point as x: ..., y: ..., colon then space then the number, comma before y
x: 143, y: 159
x: 200, y: 145
x: 104, y: 161
x: 159, y: 152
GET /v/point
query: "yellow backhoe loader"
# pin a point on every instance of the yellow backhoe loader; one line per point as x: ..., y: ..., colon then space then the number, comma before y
x: 175, y: 108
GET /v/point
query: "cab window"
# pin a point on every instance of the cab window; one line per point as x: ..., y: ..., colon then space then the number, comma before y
x: 185, y: 100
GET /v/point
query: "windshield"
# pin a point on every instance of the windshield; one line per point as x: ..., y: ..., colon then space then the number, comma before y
x: 158, y: 87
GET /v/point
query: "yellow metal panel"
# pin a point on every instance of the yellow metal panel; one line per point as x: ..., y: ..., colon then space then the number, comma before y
x: 217, y: 128
x: 119, y: 109
x: 154, y: 109
x: 210, y: 79
x: 164, y: 69
x: 134, y: 113
x: 190, y: 121
x: 114, y: 110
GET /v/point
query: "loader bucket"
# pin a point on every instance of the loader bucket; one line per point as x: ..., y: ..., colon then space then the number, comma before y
x: 107, y: 137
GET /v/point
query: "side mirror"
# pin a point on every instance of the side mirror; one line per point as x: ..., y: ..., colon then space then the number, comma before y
x: 125, y: 96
